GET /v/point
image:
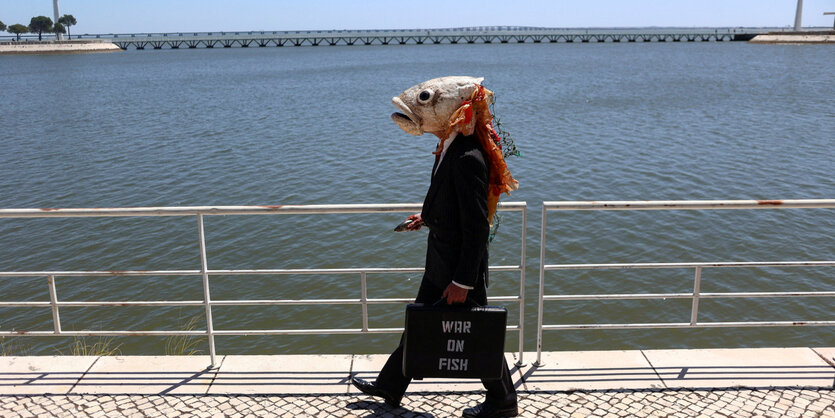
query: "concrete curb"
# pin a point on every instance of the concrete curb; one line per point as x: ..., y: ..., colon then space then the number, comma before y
x: 330, y: 374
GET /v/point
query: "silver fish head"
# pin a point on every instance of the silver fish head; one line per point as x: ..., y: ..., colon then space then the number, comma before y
x: 428, y: 106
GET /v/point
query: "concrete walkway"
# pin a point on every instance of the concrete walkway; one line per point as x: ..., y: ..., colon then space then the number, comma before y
x: 715, y: 382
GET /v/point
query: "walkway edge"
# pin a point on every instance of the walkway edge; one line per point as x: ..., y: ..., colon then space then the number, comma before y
x: 567, y: 371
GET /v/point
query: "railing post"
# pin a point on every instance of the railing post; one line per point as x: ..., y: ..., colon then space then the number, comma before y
x: 204, y: 270
x: 697, y: 284
x: 523, y: 265
x: 540, y: 302
x: 364, y: 301
x: 53, y: 300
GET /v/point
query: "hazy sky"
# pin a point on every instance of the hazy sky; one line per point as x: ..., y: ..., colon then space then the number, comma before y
x: 120, y: 16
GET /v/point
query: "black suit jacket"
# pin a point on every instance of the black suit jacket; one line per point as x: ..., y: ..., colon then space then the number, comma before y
x: 455, y: 210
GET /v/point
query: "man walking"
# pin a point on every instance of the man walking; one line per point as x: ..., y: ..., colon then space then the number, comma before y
x: 457, y: 210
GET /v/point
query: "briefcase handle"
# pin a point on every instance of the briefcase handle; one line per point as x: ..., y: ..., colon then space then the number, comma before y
x: 472, y: 303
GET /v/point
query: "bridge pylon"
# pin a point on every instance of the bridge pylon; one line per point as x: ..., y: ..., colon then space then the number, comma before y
x: 57, y: 13
x: 798, y: 15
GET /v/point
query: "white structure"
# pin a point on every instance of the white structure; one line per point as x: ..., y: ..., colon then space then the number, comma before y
x: 797, y: 15
x: 57, y: 15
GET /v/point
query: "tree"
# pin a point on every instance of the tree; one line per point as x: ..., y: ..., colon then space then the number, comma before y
x: 2, y: 27
x: 40, y: 24
x: 18, y: 30
x: 67, y: 20
x: 58, y: 28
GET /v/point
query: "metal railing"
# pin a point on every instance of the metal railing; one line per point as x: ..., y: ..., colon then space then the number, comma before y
x: 205, y: 273
x: 696, y: 295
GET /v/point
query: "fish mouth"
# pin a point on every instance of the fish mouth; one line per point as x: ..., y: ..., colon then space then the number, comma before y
x: 407, y: 120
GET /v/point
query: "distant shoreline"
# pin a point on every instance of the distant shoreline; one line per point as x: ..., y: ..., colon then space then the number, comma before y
x: 818, y: 37
x: 57, y: 47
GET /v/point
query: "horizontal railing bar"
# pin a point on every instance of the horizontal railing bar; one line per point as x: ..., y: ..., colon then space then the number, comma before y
x: 370, y: 270
x: 196, y: 333
x: 76, y: 304
x: 505, y: 268
x: 688, y: 295
x: 291, y: 332
x: 243, y: 302
x: 227, y: 210
x: 100, y: 333
x: 104, y: 303
x: 688, y: 325
x: 100, y: 273
x: 285, y: 302
x: 72, y: 304
x: 620, y: 296
x: 623, y: 266
x: 504, y: 299
x: 411, y: 300
x: 24, y: 304
x: 114, y: 273
x: 691, y: 204
x: 389, y: 300
x: 766, y: 294
x: 317, y: 271
x: 200, y: 333
x: 334, y: 301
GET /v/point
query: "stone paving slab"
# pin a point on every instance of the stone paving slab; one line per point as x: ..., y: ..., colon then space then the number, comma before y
x: 42, y: 374
x: 290, y: 374
x: 625, y: 403
x: 148, y: 375
x: 748, y: 367
x: 368, y: 366
x: 590, y: 370
x: 827, y: 354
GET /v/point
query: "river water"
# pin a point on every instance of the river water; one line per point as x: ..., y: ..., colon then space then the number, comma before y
x: 645, y: 121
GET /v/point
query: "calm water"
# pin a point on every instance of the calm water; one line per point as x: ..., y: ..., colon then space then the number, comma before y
x: 311, y: 126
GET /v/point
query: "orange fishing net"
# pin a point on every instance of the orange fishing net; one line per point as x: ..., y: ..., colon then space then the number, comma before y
x: 474, y: 116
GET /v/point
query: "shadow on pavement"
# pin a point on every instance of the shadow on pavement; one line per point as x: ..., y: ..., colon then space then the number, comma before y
x: 379, y: 409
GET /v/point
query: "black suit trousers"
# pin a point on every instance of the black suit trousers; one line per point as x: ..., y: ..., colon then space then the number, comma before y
x: 500, y: 391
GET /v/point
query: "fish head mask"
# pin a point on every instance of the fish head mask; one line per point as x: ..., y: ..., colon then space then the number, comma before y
x: 429, y: 106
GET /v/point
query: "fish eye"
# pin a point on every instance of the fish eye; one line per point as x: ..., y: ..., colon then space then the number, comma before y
x: 424, y: 95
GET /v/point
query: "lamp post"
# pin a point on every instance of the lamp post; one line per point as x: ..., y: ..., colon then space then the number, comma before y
x: 57, y: 14
x: 830, y: 13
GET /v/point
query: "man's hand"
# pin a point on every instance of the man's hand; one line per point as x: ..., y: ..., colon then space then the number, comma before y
x: 454, y: 294
x: 417, y: 222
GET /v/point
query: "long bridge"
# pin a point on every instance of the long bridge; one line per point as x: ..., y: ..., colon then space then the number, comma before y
x: 474, y: 35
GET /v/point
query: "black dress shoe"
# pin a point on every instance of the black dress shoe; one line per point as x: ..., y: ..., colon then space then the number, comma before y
x: 371, y: 389
x: 488, y: 410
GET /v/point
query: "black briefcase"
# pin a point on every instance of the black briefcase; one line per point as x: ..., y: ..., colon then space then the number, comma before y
x: 454, y: 341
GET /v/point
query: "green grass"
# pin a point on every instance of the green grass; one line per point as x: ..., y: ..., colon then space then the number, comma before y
x: 101, y: 346
x: 175, y: 345
x: 12, y: 347
x: 185, y: 345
